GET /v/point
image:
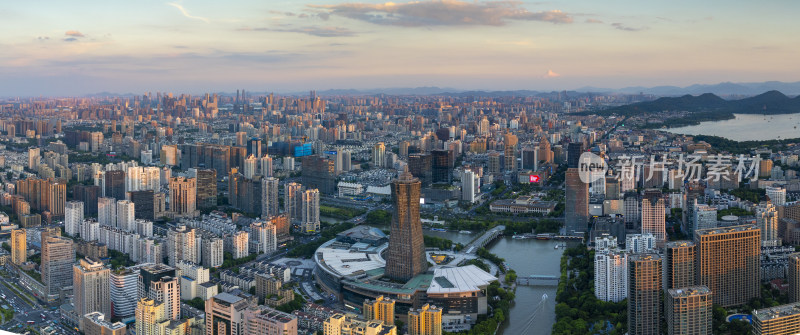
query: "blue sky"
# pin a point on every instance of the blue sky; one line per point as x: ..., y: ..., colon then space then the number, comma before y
x: 79, y: 47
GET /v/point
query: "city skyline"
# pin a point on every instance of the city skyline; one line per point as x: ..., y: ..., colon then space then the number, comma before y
x: 88, y: 47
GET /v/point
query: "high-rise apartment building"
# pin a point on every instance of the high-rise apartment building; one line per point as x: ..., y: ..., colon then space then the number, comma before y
x: 225, y: 315
x: 704, y: 217
x: 510, y: 151
x: 640, y: 243
x: 88, y: 194
x: 729, y: 263
x: 123, y: 291
x: 425, y: 321
x: 126, y: 219
x: 679, y: 264
x: 183, y: 196
x: 73, y: 217
x: 266, y: 168
x: 181, y: 245
x: 58, y: 255
x: 206, y: 188
x: 379, y: 309
x: 33, y: 158
x: 91, y: 292
x: 644, y: 294
x: 576, y: 214
x: 776, y: 195
x: 654, y: 215
x: 379, y: 155
x: 107, y: 211
x: 688, y: 310
x: 151, y: 273
x: 611, y: 276
x: 290, y: 192
x: 212, y: 252
x: 19, y: 246
x: 309, y: 211
x: 778, y: 320
x: 767, y: 222
x: 264, y: 233
x: 793, y: 276
x: 405, y: 257
x: 168, y: 291
x: 269, y: 199
x: 250, y: 168
x: 150, y: 314
x: 115, y: 184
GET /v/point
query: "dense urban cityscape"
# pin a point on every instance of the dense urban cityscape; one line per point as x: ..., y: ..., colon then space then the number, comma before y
x: 428, y: 167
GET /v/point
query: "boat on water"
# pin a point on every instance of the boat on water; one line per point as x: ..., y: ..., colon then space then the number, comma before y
x: 438, y: 229
x: 465, y: 232
x: 544, y: 236
x: 519, y: 237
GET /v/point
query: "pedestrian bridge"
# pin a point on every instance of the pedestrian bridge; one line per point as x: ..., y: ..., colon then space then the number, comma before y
x: 538, y: 280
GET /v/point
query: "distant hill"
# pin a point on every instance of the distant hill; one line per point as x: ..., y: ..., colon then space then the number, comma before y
x: 726, y: 88
x: 772, y: 102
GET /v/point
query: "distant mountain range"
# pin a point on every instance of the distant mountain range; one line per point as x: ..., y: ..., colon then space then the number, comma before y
x: 726, y: 89
x: 772, y: 102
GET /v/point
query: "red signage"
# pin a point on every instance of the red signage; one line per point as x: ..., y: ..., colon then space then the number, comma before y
x: 534, y: 178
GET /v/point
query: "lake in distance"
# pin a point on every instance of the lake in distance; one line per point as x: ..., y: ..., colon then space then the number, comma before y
x: 748, y: 127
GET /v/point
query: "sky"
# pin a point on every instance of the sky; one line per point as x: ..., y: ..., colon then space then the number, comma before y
x: 56, y: 47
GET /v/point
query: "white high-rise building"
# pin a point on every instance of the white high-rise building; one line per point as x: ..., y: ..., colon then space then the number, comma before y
x: 212, y: 252
x: 606, y: 243
x: 266, y: 166
x: 91, y: 287
x: 125, y: 215
x: 776, y: 195
x: 290, y: 193
x: 269, y: 197
x: 704, y: 216
x: 610, y: 276
x: 123, y: 285
x: 468, y: 186
x: 90, y: 230
x: 379, y: 155
x: 182, y: 245
x: 288, y: 163
x: 250, y: 167
x: 238, y: 244
x: 264, y: 233
x: 640, y: 243
x: 309, y: 211
x: 107, y: 212
x: 767, y: 221
x: 598, y: 186
x: 73, y: 217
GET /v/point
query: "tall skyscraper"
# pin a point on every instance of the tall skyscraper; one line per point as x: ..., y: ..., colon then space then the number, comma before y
x: 19, y: 246
x: 679, y: 264
x: 91, y: 292
x: 264, y: 232
x: 181, y: 245
x: 405, y: 257
x: 577, y: 195
x: 379, y: 309
x: 250, y: 168
x: 73, y: 217
x: 644, y: 294
x: 58, y: 255
x: 144, y: 203
x: 729, y: 263
x: 425, y: 321
x: 207, y: 188
x: 309, y: 211
x: 704, y: 217
x: 107, y: 212
x: 183, y: 196
x: 150, y: 314
x: 123, y: 291
x: 688, y: 310
x: 290, y: 192
x: 126, y: 219
x: 510, y: 151
x: 793, y: 276
x: 33, y: 158
x: 225, y: 315
x: 654, y: 215
x: 115, y: 184
x: 88, y: 194
x: 212, y: 252
x: 468, y: 186
x: 269, y: 199
x: 379, y: 155
x: 767, y: 221
x: 611, y: 276
x: 168, y: 291
x: 265, y: 166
